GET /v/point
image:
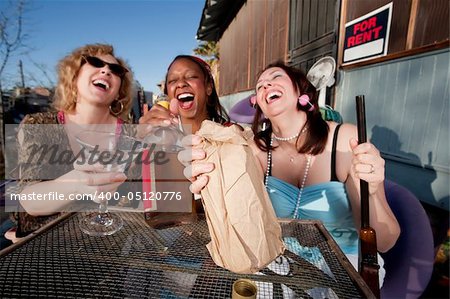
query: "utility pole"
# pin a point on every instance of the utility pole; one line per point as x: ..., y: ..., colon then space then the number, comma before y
x: 22, y: 77
x: 2, y: 136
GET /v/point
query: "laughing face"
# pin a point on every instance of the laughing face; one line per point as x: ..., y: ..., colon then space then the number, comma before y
x: 187, y: 83
x: 98, y: 85
x: 275, y: 92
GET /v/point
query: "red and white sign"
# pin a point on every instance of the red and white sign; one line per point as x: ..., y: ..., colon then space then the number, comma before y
x: 367, y: 37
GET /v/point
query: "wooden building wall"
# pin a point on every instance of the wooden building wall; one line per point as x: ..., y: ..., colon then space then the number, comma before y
x: 312, y: 31
x: 407, y: 108
x: 407, y: 94
x: 256, y: 37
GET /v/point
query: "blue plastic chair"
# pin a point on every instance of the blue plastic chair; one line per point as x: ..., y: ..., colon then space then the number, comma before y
x: 243, y: 112
x: 409, y: 264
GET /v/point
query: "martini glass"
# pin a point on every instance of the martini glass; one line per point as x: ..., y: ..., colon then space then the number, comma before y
x: 114, y: 152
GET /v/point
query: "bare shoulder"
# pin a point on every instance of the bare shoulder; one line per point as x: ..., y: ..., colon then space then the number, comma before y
x: 348, y: 131
x: 343, y: 150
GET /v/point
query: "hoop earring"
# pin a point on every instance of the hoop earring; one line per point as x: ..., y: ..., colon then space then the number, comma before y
x: 111, y: 109
x: 304, y: 100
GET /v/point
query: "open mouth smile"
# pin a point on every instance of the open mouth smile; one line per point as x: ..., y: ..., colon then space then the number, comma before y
x: 273, y: 96
x: 101, y: 84
x: 185, y: 100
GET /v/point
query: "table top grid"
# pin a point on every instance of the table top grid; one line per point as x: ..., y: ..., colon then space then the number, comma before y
x: 139, y: 261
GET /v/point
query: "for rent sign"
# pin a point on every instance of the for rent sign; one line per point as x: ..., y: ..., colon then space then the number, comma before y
x: 367, y: 37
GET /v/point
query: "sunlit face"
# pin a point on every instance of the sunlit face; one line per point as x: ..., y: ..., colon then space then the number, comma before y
x: 186, y: 82
x: 97, y: 86
x: 275, y: 92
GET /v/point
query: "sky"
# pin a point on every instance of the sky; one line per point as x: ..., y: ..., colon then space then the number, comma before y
x: 148, y: 34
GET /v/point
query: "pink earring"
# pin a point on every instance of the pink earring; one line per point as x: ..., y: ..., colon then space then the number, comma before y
x: 304, y: 100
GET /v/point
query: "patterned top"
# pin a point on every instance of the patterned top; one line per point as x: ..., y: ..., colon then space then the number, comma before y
x: 37, y: 166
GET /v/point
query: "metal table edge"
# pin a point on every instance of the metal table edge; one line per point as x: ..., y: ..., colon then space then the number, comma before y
x: 354, y: 275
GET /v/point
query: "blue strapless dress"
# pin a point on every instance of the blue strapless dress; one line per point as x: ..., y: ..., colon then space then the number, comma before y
x: 327, y: 202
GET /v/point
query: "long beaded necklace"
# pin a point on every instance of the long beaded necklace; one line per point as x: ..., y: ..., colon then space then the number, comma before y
x: 302, y: 185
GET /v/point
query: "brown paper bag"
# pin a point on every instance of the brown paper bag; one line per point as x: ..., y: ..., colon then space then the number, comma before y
x: 245, y: 233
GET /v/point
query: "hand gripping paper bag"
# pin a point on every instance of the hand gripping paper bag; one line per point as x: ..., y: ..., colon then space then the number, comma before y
x: 245, y: 233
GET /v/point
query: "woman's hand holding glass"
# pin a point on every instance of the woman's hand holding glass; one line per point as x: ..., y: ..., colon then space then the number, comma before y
x: 191, y: 157
x: 105, y: 154
x: 94, y: 179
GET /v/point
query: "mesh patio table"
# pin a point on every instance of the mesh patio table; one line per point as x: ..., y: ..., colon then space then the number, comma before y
x: 141, y: 262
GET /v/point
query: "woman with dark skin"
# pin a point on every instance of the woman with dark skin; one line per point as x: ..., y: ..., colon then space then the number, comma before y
x: 190, y: 86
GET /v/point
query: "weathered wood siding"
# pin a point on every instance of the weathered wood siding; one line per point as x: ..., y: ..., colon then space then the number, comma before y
x: 407, y: 107
x: 312, y: 31
x: 256, y: 37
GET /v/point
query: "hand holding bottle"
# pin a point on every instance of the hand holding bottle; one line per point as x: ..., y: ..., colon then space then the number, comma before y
x: 162, y: 114
x: 165, y: 131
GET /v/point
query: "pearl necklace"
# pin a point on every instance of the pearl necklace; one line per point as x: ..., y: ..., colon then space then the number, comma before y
x: 305, y: 176
x: 289, y: 138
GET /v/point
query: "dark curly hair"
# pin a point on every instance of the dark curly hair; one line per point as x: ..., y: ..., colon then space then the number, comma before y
x: 215, y: 110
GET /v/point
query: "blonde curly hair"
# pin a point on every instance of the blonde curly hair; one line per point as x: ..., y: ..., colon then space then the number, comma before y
x: 68, y: 69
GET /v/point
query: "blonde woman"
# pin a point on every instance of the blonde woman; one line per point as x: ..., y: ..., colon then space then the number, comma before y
x: 94, y: 88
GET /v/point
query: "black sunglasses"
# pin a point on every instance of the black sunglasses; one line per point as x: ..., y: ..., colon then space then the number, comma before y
x: 115, y: 68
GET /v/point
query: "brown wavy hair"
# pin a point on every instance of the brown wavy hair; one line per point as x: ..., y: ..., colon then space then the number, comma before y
x: 317, y: 128
x: 68, y: 69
